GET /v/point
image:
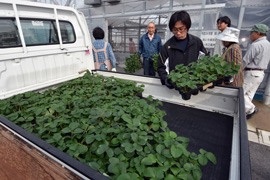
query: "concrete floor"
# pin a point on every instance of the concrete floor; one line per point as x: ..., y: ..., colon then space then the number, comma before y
x: 259, y: 123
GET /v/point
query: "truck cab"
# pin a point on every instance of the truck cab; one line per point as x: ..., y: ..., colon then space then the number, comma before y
x: 41, y: 45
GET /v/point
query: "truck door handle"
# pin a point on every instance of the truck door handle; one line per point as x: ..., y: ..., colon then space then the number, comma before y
x: 67, y: 52
x: 17, y: 60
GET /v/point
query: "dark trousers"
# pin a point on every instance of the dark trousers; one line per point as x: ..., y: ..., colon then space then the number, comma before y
x: 148, y: 67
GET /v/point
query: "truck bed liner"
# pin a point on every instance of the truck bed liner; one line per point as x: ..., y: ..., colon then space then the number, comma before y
x: 207, y: 130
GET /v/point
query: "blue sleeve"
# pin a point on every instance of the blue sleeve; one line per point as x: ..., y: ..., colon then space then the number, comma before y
x: 111, y: 55
x: 140, y: 47
x: 159, y: 45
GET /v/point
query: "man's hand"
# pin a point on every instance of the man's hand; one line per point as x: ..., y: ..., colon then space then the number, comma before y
x: 168, y: 83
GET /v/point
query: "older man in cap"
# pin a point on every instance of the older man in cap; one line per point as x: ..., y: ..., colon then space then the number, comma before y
x: 255, y: 62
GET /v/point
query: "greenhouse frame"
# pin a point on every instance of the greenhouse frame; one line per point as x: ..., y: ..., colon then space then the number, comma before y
x: 125, y: 19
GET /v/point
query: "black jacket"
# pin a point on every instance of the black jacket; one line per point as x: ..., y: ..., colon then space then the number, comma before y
x: 176, y: 56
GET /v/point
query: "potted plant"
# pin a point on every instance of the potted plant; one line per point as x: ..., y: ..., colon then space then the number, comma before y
x: 132, y: 63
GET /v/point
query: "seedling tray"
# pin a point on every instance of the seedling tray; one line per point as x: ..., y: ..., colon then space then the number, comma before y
x: 187, y: 95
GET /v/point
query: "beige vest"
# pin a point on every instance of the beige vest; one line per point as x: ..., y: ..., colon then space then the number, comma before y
x: 107, y: 62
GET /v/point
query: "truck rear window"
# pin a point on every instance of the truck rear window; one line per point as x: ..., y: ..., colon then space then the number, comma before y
x: 35, y: 32
x: 9, y: 36
x: 39, y: 32
x: 67, y: 32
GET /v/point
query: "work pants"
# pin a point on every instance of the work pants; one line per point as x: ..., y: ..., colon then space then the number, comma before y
x: 252, y: 81
x: 148, y: 67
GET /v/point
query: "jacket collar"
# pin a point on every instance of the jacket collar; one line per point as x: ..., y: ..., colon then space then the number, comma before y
x: 260, y: 39
x: 174, y: 44
x: 146, y: 36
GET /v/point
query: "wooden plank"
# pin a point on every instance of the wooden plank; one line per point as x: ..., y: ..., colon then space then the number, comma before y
x: 19, y: 160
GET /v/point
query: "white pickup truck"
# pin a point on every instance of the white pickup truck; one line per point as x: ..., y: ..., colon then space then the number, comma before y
x: 43, y: 45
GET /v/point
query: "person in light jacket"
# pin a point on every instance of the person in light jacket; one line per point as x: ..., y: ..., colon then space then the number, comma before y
x: 255, y: 61
x: 182, y: 48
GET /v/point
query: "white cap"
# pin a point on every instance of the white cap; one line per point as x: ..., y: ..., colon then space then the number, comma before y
x: 229, y: 34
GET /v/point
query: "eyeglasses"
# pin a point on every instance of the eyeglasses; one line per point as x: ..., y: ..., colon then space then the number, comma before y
x: 220, y: 22
x: 181, y: 29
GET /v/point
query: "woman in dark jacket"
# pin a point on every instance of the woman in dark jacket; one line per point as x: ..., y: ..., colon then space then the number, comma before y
x: 182, y: 48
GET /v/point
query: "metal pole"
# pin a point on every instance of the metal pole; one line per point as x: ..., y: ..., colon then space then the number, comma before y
x: 139, y: 34
x: 201, y: 18
x: 19, y: 27
x: 168, y: 33
x: 266, y: 96
x: 241, y: 14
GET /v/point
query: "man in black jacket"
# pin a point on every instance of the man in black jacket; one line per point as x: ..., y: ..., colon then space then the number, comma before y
x: 182, y: 48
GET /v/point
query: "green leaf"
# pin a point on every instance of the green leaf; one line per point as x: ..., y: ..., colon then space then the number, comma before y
x: 140, y: 168
x: 152, y: 157
x: 138, y: 147
x: 127, y: 118
x: 193, y: 156
x: 170, y: 177
x: 164, y: 124
x: 110, y: 152
x: 188, y: 166
x: 173, y: 134
x: 176, y: 151
x: 182, y: 139
x: 183, y: 175
x: 175, y: 170
x: 82, y: 149
x: 168, y: 142
x: 166, y: 153
x: 211, y: 157
x: 134, y: 137
x: 146, y: 161
x: 202, y: 160
x: 66, y: 130
x: 202, y: 151
x: 73, y: 147
x: 197, y: 174
x: 128, y: 147
x: 114, y: 160
x: 102, y: 148
x: 159, y: 173
x: 136, y: 121
x: 155, y: 126
x: 115, y: 141
x: 73, y: 125
x: 149, y: 172
x: 89, y: 138
x: 57, y: 137
x: 159, y: 148
x: 94, y: 165
x: 77, y: 131
x: 127, y: 176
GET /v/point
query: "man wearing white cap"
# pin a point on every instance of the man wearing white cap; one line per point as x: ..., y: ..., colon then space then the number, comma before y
x: 233, y: 53
x: 255, y: 62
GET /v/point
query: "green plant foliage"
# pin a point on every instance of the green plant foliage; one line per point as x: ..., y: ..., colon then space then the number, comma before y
x: 206, y: 70
x: 103, y: 123
x: 155, y: 63
x: 132, y: 63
